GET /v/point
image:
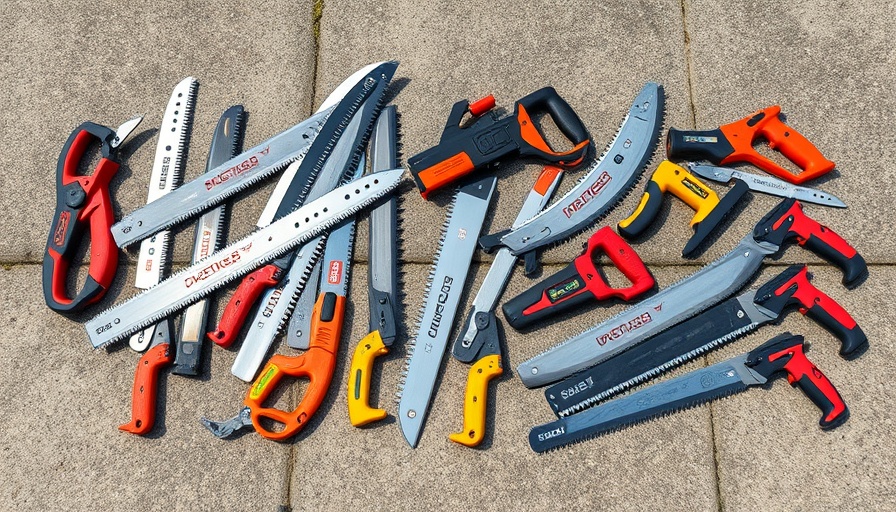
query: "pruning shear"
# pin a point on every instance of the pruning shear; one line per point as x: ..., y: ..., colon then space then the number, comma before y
x: 83, y: 201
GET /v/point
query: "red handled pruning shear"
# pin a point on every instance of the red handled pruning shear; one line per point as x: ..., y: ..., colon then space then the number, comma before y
x: 83, y: 201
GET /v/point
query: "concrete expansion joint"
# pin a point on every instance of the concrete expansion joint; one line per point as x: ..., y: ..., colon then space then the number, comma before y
x: 688, y: 64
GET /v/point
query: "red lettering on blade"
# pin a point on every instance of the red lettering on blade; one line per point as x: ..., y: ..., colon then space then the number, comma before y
x: 334, y: 276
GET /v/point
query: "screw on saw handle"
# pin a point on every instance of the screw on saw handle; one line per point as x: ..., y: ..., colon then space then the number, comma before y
x: 475, y: 398
x: 145, y: 391
x: 81, y: 201
x: 359, y: 410
x: 676, y: 180
x: 316, y: 364
x: 785, y: 353
x: 569, y: 286
x: 241, y: 302
x: 792, y: 287
x: 787, y: 221
x: 734, y: 143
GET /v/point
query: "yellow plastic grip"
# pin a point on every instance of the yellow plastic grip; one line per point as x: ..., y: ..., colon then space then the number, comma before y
x: 677, y: 181
x: 480, y: 374
x: 359, y: 411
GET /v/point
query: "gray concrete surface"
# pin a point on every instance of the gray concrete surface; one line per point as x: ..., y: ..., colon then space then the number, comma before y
x: 828, y: 64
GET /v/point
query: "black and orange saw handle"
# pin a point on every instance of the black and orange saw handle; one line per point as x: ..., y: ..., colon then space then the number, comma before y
x: 146, y: 386
x: 733, y: 142
x: 581, y: 281
x: 488, y: 139
x: 241, y: 302
x: 784, y: 353
x: 792, y: 287
x: 316, y: 364
x: 81, y: 201
x: 787, y: 222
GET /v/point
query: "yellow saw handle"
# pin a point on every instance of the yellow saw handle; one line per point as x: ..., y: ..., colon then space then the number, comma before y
x: 359, y: 411
x: 676, y: 180
x: 480, y: 374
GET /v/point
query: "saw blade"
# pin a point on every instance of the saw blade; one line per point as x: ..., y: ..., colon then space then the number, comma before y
x: 238, y: 259
x: 167, y: 173
x: 298, y: 335
x: 606, y: 183
x: 708, y: 330
x: 767, y: 185
x: 684, y: 299
x: 666, y: 397
x: 444, y: 287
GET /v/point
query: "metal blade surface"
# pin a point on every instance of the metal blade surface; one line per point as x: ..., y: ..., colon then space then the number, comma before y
x: 298, y: 335
x: 666, y: 397
x: 443, y: 291
x: 767, y: 185
x: 684, y: 299
x: 708, y: 330
x: 606, y: 182
x: 238, y: 259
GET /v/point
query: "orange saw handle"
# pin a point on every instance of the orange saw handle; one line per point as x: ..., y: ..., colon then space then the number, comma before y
x: 146, y: 387
x: 316, y: 364
x: 734, y: 143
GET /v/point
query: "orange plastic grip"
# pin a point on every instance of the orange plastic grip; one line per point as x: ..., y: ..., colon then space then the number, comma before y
x: 444, y: 172
x: 146, y: 386
x: 781, y: 137
x: 316, y: 364
x: 533, y: 137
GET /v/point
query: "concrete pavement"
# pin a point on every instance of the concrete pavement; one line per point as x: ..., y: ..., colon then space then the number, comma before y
x: 830, y: 65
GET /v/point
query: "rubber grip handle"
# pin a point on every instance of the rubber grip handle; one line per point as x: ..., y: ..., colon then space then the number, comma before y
x: 793, y: 145
x: 678, y: 181
x: 316, y: 364
x: 359, y: 410
x: 561, y: 291
x: 805, y: 375
x: 547, y: 100
x: 241, y: 302
x: 146, y: 386
x: 787, y: 221
x: 475, y: 398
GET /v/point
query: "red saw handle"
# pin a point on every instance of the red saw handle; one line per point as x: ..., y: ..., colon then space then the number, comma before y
x: 316, y: 364
x: 146, y: 387
x: 788, y: 222
x: 581, y: 281
x: 241, y: 302
x: 80, y: 201
x: 785, y: 353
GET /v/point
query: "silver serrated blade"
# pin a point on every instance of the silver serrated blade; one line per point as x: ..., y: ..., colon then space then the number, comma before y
x: 605, y: 183
x: 166, y: 175
x: 684, y: 299
x: 689, y: 390
x: 442, y: 297
x: 238, y: 259
x: 766, y: 185
x: 298, y: 335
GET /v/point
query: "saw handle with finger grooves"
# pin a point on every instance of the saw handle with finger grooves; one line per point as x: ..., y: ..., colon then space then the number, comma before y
x: 475, y: 400
x: 359, y: 410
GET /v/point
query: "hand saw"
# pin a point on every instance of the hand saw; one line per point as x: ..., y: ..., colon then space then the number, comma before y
x: 152, y: 261
x: 167, y: 172
x: 345, y: 144
x: 605, y: 183
x: 479, y: 342
x: 695, y: 293
x: 209, y: 237
x: 444, y: 287
x: 382, y: 280
x: 766, y: 185
x: 707, y: 331
x: 782, y: 354
x: 238, y: 259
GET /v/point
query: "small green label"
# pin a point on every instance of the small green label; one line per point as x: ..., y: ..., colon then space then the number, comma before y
x: 563, y: 289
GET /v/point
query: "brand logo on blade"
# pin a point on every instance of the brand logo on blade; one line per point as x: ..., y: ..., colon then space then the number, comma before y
x: 444, y: 293
x: 61, y: 228
x: 334, y: 276
x: 272, y: 303
x: 578, y: 388
x: 212, y: 269
x: 617, y: 332
x: 559, y: 431
x: 235, y: 171
x: 589, y: 194
x: 163, y: 178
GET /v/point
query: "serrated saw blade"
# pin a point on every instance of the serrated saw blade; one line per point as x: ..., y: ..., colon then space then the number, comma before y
x: 605, y: 183
x: 238, y: 259
x: 689, y: 390
x: 442, y: 297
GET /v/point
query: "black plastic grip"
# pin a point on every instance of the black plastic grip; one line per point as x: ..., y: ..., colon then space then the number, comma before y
x: 829, y: 419
x: 854, y: 342
x: 652, y: 201
x: 854, y: 269
x: 549, y: 101
x: 558, y: 292
x: 709, y: 145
